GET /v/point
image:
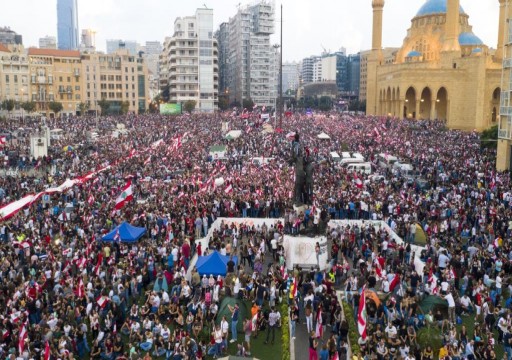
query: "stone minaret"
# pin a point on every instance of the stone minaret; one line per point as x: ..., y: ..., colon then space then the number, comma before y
x: 374, y: 58
x: 501, y: 29
x: 452, y: 27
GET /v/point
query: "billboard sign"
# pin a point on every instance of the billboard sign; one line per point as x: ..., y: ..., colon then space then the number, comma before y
x: 170, y: 109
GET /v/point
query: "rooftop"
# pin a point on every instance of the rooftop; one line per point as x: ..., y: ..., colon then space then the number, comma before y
x: 54, y: 52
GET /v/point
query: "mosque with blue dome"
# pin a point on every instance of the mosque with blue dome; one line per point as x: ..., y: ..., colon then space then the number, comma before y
x: 443, y: 70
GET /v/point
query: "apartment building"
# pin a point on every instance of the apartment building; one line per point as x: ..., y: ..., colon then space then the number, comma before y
x: 14, y: 73
x: 249, y: 65
x: 190, y: 62
x: 116, y: 77
x: 55, y: 75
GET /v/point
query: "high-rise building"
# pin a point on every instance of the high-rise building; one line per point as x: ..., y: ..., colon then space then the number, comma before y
x: 250, y: 63
x: 290, y: 76
x: 88, y: 40
x: 190, y: 57
x: 67, y: 24
x: 113, y: 45
x: 8, y: 36
x: 151, y: 54
x: 48, y: 42
x: 222, y: 35
x: 353, y: 73
x: 118, y: 78
x: 309, y: 69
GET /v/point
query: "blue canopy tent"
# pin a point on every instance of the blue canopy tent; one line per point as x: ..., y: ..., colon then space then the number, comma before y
x: 127, y: 233
x: 214, y: 264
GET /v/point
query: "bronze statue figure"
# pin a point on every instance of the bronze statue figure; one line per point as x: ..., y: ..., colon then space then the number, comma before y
x: 303, y: 164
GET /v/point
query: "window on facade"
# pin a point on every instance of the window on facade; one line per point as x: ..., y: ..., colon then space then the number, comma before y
x: 7, y: 78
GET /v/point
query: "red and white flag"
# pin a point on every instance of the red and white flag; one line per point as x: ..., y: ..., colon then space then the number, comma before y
x: 229, y: 189
x: 3, y: 140
x: 80, y: 290
x: 90, y: 199
x: 47, y: 351
x: 361, y: 315
x: 117, y: 236
x: 148, y: 160
x: 102, y: 301
x: 22, y: 337
x: 98, y: 264
x: 358, y: 183
x: 125, y: 196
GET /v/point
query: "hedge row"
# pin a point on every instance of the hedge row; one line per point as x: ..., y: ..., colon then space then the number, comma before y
x: 285, y: 329
x: 353, y: 332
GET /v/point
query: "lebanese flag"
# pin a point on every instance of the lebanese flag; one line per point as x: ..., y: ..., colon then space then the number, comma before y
x: 15, y: 317
x: 98, y: 264
x: 229, y: 189
x: 117, y: 236
x: 47, y: 351
x: 125, y: 196
x: 102, y: 301
x: 3, y: 140
x: 90, y: 199
x: 80, y: 290
x: 394, y: 282
x: 148, y: 160
x: 358, y: 182
x: 22, y: 337
x: 361, y: 315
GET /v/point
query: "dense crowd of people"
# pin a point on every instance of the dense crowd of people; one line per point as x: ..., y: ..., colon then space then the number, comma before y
x: 66, y: 294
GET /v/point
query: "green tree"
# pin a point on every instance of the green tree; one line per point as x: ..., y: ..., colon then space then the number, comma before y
x: 8, y: 105
x: 83, y: 107
x: 55, y: 106
x: 234, y: 104
x: 325, y: 103
x: 28, y: 106
x: 489, y: 138
x: 189, y: 105
x: 248, y: 104
x: 125, y: 106
x: 104, y: 105
x: 223, y: 103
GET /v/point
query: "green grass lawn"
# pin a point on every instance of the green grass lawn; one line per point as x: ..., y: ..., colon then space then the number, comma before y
x: 433, y: 336
x: 259, y: 349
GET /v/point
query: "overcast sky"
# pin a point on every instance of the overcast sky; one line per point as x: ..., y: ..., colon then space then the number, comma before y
x: 308, y: 24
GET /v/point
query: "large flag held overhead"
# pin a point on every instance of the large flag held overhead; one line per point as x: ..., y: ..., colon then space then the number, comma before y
x: 125, y: 196
x: 21, y: 339
x: 361, y: 315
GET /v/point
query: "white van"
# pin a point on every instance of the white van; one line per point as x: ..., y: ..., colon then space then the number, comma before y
x: 351, y: 160
x: 363, y: 168
x: 358, y: 156
x: 335, y: 157
x: 386, y: 161
x: 345, y: 155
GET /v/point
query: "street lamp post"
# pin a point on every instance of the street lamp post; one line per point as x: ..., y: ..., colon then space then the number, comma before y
x: 281, y: 75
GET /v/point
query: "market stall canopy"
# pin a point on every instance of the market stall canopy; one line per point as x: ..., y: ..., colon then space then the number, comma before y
x: 323, y: 136
x: 127, y: 233
x: 233, y: 134
x: 213, y: 264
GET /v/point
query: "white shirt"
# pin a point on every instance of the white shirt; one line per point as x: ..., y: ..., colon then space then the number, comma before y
x: 451, y: 301
x: 224, y: 326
